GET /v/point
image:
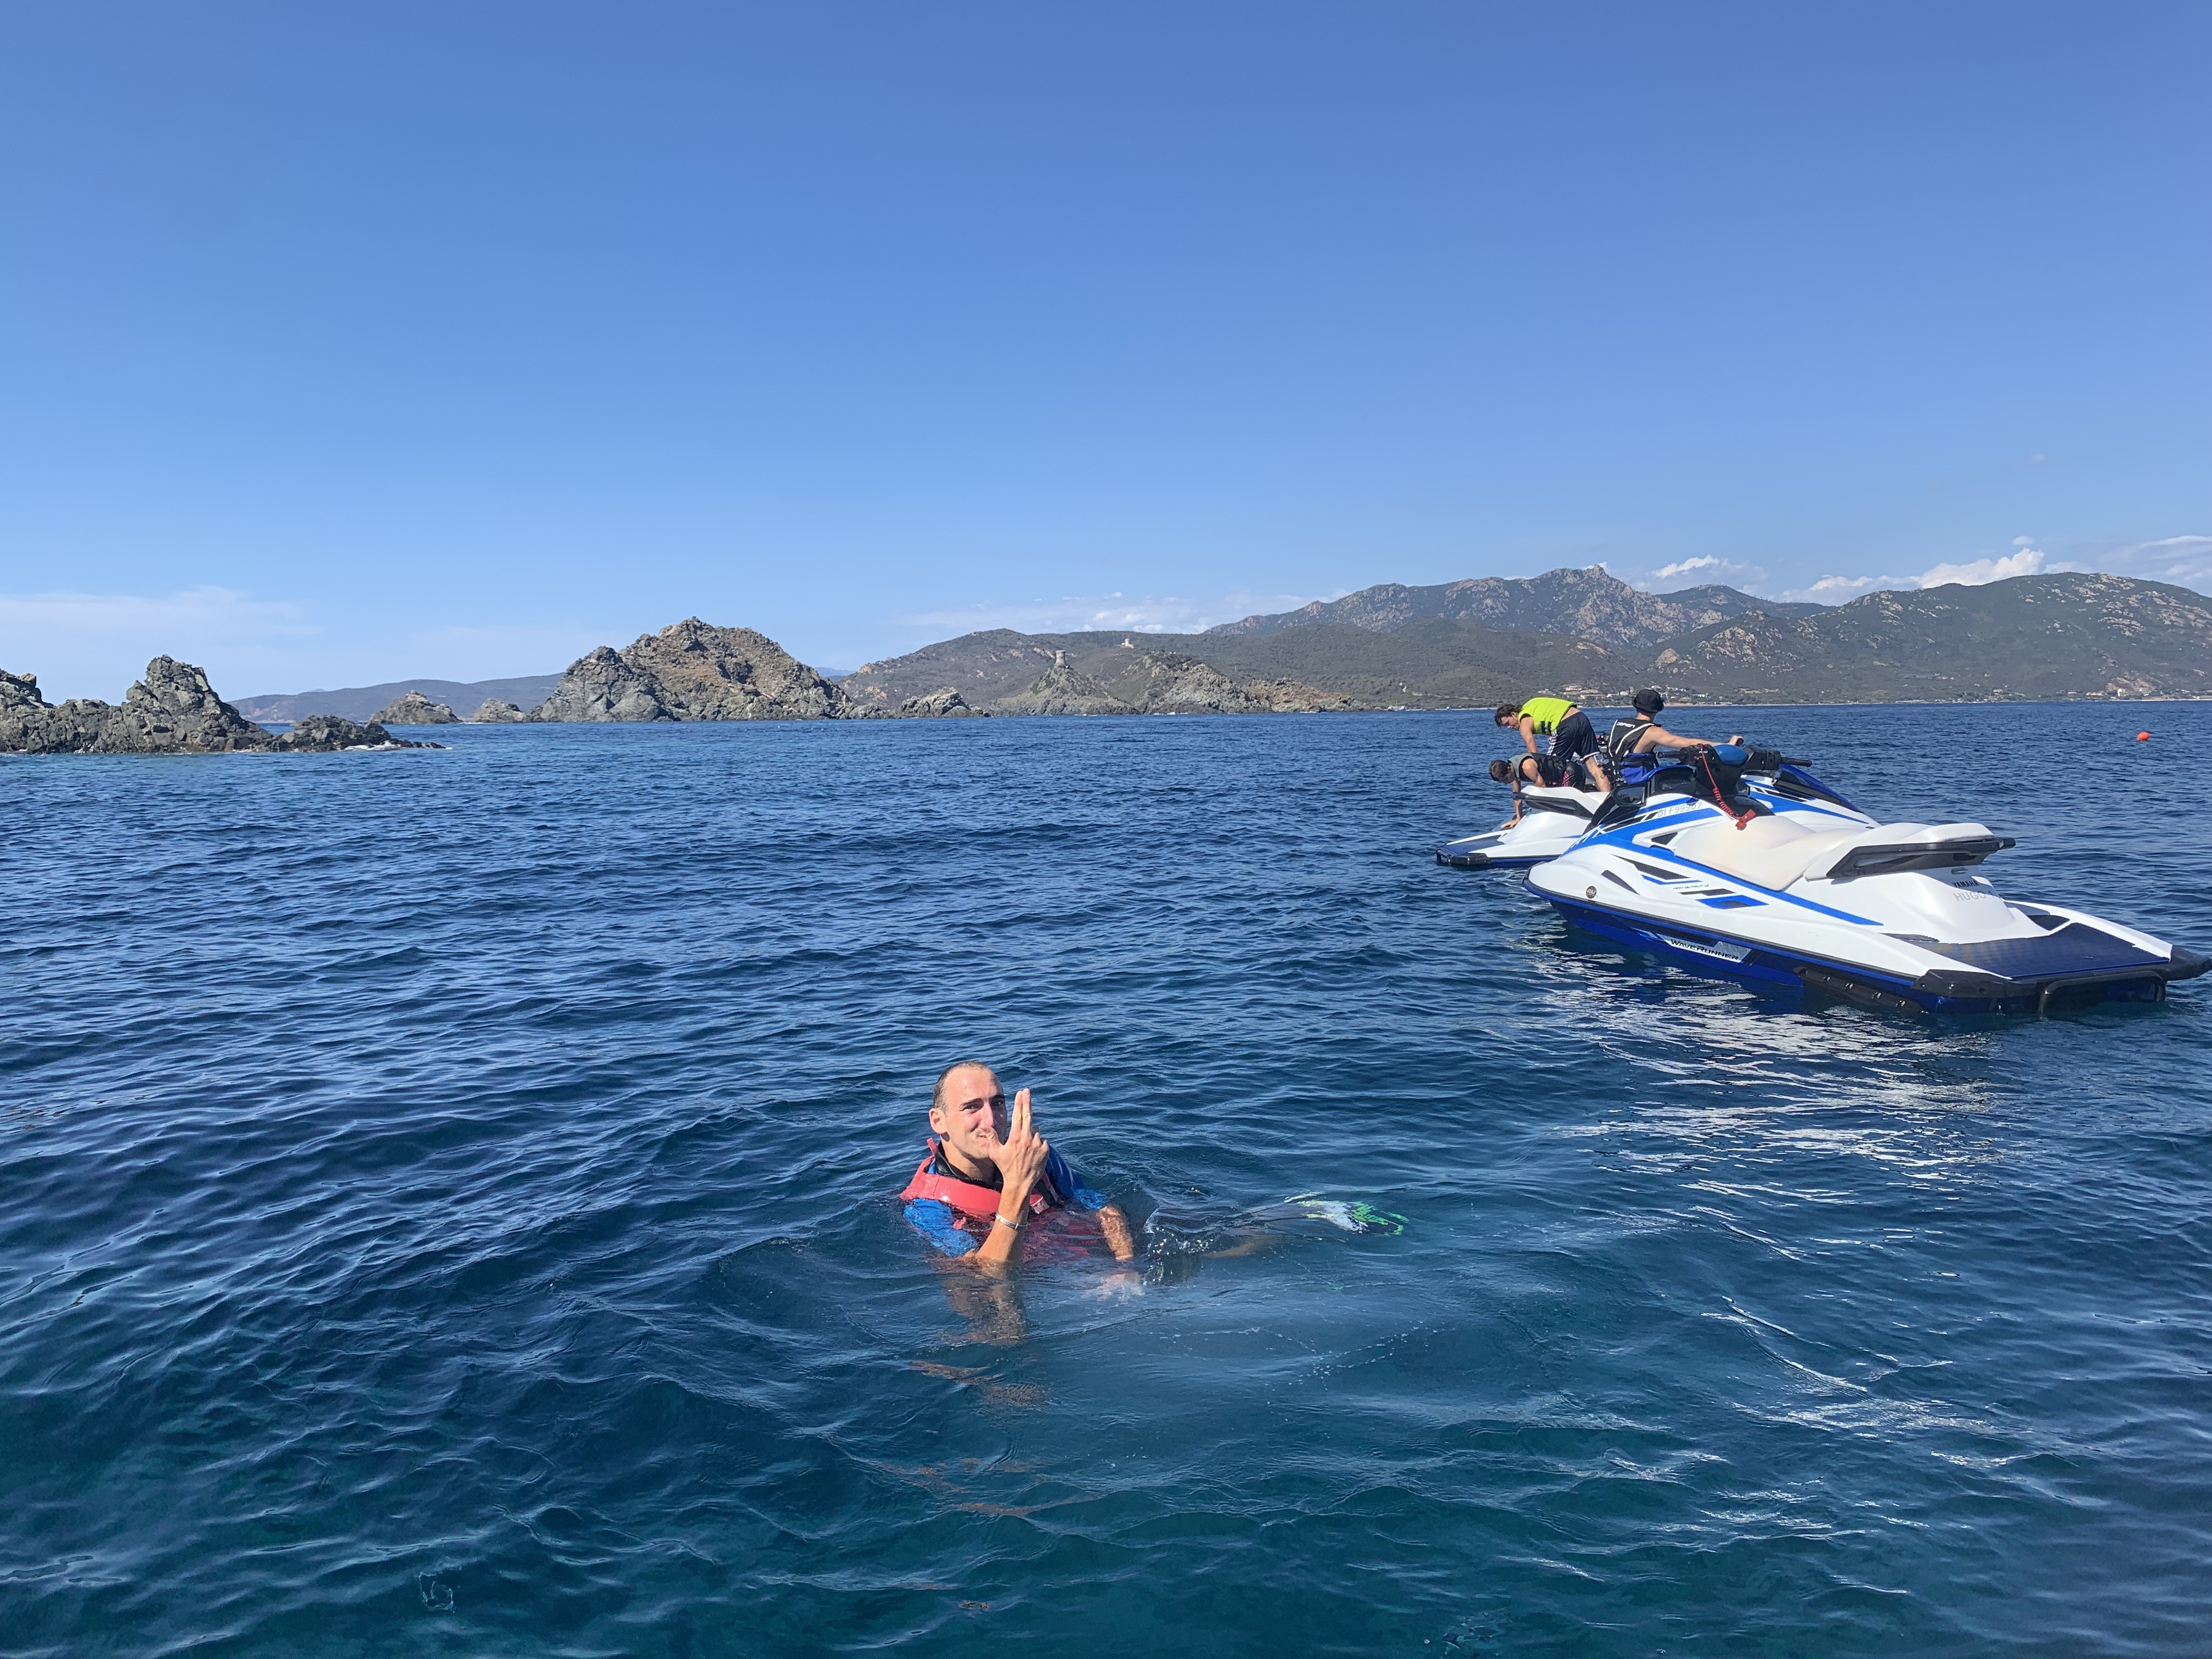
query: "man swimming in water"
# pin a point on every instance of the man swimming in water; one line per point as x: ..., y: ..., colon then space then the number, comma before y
x: 989, y: 1173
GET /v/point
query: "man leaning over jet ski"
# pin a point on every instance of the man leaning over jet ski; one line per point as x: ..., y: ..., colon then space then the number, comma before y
x: 1641, y: 733
x: 1574, y: 746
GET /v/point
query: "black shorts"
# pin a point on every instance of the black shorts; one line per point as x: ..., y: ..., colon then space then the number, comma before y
x: 1554, y: 772
x: 1574, y: 737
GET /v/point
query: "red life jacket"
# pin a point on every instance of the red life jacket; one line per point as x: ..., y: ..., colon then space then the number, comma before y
x: 968, y: 1197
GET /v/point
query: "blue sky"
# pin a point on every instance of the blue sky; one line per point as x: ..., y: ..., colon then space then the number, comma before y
x: 342, y: 344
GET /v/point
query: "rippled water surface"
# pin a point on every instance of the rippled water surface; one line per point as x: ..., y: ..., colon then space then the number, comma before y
x: 449, y: 1210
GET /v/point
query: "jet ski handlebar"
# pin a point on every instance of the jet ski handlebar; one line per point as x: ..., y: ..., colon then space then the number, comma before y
x: 1756, y: 760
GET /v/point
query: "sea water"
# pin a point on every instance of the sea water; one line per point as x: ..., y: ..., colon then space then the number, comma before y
x: 449, y: 1210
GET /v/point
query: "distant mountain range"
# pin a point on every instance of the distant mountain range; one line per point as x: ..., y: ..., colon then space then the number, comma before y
x: 2030, y: 639
x: 1587, y: 604
x: 1580, y: 633
x: 1586, y: 635
x: 361, y: 702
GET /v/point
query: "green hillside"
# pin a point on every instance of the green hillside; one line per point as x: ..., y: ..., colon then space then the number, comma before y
x: 2029, y: 639
x: 1430, y: 663
x: 1589, y: 604
x: 2032, y: 637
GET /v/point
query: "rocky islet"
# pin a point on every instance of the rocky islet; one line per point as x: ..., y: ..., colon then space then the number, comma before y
x: 173, y: 710
x: 415, y: 709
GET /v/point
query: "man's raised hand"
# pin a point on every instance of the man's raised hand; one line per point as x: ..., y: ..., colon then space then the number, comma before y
x: 1020, y: 1154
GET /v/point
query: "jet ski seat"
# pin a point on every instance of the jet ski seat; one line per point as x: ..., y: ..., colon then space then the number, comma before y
x: 1768, y: 852
x: 1773, y: 851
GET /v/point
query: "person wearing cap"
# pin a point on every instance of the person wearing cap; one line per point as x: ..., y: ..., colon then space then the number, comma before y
x: 1642, y: 733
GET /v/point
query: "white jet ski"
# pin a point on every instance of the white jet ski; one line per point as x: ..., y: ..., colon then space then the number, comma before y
x: 1552, y: 821
x: 1777, y: 880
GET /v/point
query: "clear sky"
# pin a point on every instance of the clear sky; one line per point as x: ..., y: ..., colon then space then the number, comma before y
x: 342, y: 343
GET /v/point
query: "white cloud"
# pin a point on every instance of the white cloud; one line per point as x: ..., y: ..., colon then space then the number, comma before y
x: 2026, y: 560
x: 1697, y: 572
x: 95, y: 644
x: 2184, y: 560
x: 1083, y: 613
x: 197, y: 613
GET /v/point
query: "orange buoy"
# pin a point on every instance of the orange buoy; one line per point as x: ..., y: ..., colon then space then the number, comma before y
x: 2143, y: 736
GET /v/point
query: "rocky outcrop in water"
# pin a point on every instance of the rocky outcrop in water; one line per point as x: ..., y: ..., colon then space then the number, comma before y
x: 493, y: 712
x: 938, y: 705
x: 415, y: 709
x: 1061, y: 690
x: 171, y: 711
x: 1163, y: 683
x: 692, y: 671
x: 1168, y: 683
x: 327, y: 734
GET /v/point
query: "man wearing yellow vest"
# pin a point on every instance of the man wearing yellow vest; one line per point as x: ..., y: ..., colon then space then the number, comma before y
x: 1573, y: 743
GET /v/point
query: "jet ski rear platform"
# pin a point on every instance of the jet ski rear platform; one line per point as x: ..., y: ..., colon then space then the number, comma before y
x: 1552, y: 821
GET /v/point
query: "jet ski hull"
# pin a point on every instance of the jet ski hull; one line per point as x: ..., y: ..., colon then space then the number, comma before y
x: 1811, y: 897
x: 2128, y: 974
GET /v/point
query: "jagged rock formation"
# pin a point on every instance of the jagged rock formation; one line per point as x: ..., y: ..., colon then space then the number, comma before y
x: 324, y: 734
x: 1168, y: 682
x: 1145, y: 681
x: 691, y: 671
x: 415, y: 709
x: 1061, y: 690
x: 988, y: 667
x: 1589, y: 604
x: 171, y: 711
x: 947, y: 704
x: 493, y: 712
x: 600, y: 686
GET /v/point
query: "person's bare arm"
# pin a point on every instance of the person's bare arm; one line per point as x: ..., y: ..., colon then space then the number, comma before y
x: 1528, y: 732
x: 1657, y: 736
x: 1120, y: 1237
x: 1020, y: 1157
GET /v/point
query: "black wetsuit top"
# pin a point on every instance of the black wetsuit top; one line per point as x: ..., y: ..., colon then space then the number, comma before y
x: 1623, y: 737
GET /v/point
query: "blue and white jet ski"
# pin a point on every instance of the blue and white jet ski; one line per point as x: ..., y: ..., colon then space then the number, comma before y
x: 1785, y: 883
x: 1552, y: 821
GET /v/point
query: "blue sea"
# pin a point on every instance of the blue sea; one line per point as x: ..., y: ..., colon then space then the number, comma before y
x: 450, y: 1210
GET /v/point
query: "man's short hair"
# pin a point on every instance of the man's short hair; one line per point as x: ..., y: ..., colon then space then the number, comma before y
x: 1509, y: 711
x: 937, y: 1094
x: 1501, y: 771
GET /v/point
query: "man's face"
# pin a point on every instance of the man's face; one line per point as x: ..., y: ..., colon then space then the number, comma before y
x: 972, y: 1119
